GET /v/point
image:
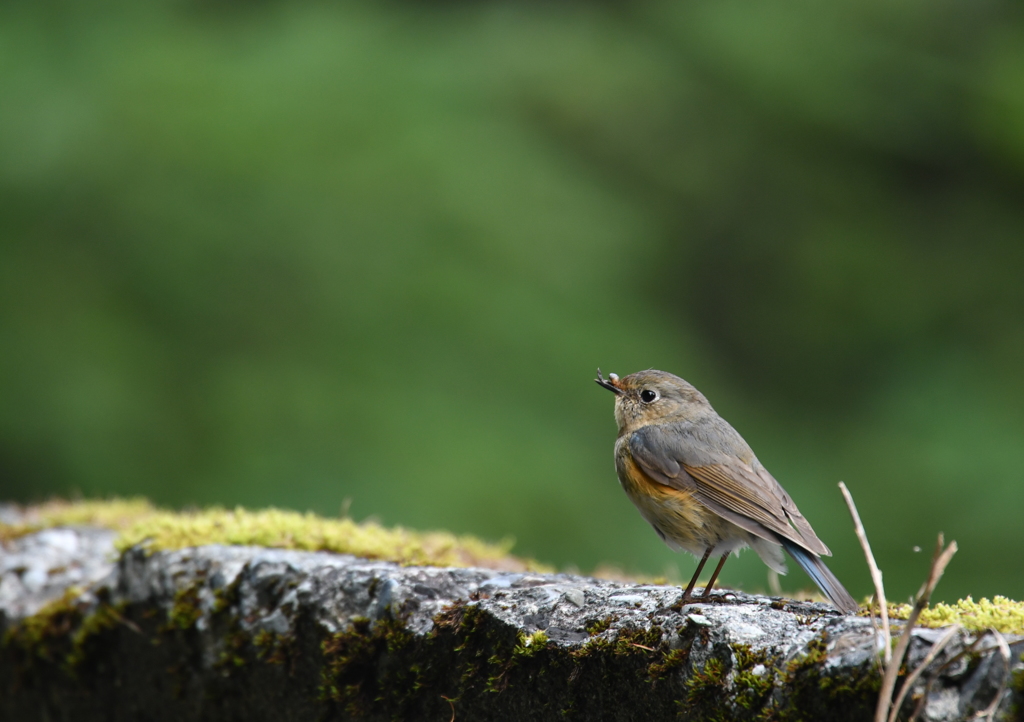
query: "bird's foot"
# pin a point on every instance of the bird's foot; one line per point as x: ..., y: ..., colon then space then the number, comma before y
x: 707, y: 597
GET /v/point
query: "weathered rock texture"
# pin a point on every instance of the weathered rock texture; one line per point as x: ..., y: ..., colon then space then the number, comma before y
x: 242, y: 633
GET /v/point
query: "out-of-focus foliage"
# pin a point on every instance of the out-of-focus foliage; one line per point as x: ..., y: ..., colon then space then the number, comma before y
x: 297, y: 253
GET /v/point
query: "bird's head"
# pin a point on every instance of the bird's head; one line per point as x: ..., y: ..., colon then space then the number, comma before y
x: 651, y: 396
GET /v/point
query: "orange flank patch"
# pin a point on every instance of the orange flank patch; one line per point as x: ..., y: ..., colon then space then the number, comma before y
x: 679, y: 519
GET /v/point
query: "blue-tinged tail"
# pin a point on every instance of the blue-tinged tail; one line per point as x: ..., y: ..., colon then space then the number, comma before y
x: 821, y: 575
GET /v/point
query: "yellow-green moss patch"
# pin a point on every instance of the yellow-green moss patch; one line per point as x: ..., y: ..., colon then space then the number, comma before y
x: 1002, y: 614
x: 141, y: 523
x: 114, y: 514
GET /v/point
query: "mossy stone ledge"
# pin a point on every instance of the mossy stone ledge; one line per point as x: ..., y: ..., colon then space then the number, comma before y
x: 95, y: 630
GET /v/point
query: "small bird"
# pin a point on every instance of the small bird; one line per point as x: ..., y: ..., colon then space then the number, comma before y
x: 697, y: 482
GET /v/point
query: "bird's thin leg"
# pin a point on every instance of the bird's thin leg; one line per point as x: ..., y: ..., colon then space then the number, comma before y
x: 711, y: 584
x: 693, y: 581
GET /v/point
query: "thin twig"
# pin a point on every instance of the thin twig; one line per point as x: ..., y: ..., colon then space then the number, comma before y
x: 939, y: 561
x: 939, y: 645
x: 1004, y: 650
x: 876, y: 573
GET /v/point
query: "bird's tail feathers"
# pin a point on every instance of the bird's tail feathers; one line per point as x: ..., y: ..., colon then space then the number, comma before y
x: 825, y: 579
x: 770, y: 553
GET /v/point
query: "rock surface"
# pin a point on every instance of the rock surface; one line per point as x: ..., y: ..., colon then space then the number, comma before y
x: 224, y: 633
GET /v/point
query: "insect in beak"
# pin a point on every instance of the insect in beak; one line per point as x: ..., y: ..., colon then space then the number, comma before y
x: 609, y: 383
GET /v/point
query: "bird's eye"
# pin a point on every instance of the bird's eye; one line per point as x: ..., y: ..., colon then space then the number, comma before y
x: 648, y: 396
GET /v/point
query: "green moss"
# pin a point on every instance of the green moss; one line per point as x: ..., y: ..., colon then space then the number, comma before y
x: 817, y: 653
x: 379, y: 669
x: 186, y: 610
x: 752, y: 689
x: 813, y: 694
x: 233, y: 651
x: 636, y: 641
x: 706, y: 692
x: 1017, y: 689
x: 346, y: 655
x: 105, y: 616
x: 226, y: 597
x: 530, y: 645
x: 274, y: 648
x: 140, y: 523
x: 852, y: 689
x: 597, y: 626
x: 47, y: 634
x: 290, y: 530
x: 113, y: 514
x: 353, y: 674
x: 671, y: 661
x: 1002, y: 614
x: 60, y: 632
x: 628, y: 642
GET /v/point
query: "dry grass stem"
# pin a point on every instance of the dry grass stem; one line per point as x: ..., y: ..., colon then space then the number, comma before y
x: 939, y: 561
x: 451, y: 702
x: 876, y: 573
x: 939, y: 645
x: 874, y: 620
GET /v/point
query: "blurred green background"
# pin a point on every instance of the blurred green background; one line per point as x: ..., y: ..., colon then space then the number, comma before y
x: 293, y: 253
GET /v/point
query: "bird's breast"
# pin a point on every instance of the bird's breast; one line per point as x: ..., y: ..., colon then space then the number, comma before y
x: 680, y: 520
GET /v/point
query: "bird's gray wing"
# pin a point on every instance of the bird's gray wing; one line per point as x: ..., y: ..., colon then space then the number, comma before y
x: 680, y: 456
x: 803, y: 526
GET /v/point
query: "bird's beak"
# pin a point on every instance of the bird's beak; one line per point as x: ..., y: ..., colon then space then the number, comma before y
x: 609, y: 383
